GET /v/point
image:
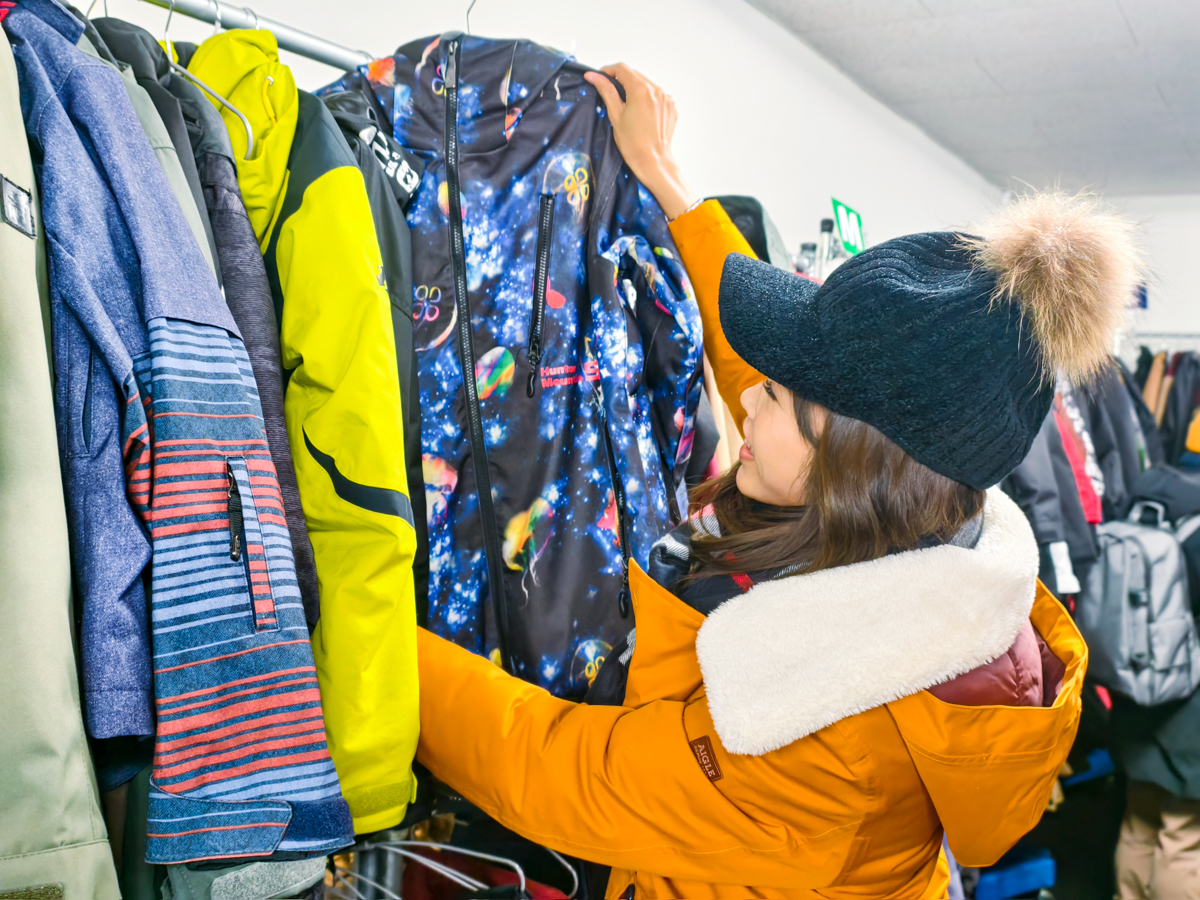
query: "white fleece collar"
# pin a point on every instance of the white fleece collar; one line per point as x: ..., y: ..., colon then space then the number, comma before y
x: 791, y: 656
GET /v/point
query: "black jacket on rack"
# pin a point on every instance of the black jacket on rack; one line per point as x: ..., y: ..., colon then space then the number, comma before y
x: 1116, y: 435
x: 1182, y: 399
x: 392, y: 175
x: 1133, y: 387
x: 1034, y: 488
x: 1043, y: 485
x: 1144, y: 361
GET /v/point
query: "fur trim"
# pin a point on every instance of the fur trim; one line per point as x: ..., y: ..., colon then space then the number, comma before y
x: 1073, y: 268
x: 791, y: 656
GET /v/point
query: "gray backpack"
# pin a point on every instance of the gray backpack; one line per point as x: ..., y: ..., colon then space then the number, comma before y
x: 1135, y: 612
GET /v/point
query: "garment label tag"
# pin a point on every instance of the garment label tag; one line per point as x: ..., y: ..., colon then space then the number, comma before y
x: 18, y: 207
x: 402, y: 168
x: 703, y: 749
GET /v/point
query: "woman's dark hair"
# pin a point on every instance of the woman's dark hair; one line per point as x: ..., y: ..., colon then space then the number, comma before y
x: 864, y: 498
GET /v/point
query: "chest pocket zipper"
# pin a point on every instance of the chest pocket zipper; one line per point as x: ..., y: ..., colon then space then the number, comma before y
x: 247, y: 544
x: 541, y: 280
x: 236, y: 519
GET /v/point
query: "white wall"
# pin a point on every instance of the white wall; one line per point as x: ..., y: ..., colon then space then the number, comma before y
x: 1170, y: 233
x: 760, y: 113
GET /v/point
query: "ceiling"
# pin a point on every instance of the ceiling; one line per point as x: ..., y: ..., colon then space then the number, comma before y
x: 1102, y: 94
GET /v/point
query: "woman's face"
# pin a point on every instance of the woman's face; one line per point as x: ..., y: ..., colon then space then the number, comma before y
x: 775, y: 456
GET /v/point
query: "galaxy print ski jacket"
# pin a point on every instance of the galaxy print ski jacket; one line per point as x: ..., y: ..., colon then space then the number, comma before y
x: 546, y: 273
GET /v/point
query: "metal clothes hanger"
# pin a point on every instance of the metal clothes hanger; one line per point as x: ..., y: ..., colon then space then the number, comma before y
x: 350, y: 878
x: 200, y: 84
x: 340, y: 873
x: 88, y: 14
x: 459, y: 878
x: 469, y: 8
x: 348, y: 881
x: 397, y: 847
x: 454, y: 875
x: 570, y: 868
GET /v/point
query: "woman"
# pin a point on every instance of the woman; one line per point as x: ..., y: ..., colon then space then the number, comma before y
x: 846, y: 650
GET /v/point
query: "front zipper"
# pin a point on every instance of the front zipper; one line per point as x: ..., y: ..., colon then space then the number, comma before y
x: 466, y: 355
x: 541, y: 278
x: 607, y: 183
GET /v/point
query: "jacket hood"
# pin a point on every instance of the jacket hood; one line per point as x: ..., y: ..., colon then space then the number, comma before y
x: 794, y: 655
x: 497, y: 80
x: 244, y: 68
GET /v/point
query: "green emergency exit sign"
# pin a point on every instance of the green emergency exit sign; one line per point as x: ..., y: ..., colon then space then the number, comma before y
x: 849, y: 226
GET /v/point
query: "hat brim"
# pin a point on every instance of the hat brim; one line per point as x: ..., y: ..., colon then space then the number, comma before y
x: 769, y: 317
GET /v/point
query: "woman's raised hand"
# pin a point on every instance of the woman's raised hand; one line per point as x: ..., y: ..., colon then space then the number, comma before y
x: 643, y: 125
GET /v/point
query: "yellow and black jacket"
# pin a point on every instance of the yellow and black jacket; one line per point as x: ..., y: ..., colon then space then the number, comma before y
x: 307, y: 201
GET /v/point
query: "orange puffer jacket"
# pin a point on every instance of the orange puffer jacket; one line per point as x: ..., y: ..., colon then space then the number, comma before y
x: 787, y: 745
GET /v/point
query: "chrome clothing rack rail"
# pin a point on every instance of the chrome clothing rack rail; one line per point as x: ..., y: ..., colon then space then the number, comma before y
x: 301, y: 42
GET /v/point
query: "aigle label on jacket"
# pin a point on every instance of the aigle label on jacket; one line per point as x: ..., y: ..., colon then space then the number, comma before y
x: 703, y: 748
x: 849, y: 226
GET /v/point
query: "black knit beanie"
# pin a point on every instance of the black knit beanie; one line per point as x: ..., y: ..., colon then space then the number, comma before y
x: 947, y: 343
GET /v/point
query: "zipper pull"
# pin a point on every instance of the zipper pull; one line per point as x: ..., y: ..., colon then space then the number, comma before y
x: 623, y: 601
x: 235, y: 517
x: 535, y: 358
x: 451, y: 79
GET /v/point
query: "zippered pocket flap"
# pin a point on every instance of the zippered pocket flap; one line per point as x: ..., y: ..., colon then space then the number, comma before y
x: 541, y: 283
x: 620, y: 507
x: 246, y: 543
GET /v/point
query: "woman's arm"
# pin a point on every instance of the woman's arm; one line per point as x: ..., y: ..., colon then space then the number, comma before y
x: 704, y: 237
x: 609, y: 784
x: 643, y: 125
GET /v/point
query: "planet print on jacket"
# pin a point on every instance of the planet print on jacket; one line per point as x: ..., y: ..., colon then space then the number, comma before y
x: 494, y: 373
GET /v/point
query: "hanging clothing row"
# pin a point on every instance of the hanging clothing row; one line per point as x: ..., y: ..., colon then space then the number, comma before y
x: 1106, y: 458
x: 270, y: 316
x: 1081, y: 470
x: 1170, y: 385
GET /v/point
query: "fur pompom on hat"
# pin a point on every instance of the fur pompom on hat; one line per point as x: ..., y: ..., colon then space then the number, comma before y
x: 1072, y: 266
x: 947, y: 343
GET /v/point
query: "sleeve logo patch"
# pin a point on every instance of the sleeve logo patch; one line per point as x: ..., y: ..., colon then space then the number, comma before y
x: 18, y: 207
x: 703, y: 749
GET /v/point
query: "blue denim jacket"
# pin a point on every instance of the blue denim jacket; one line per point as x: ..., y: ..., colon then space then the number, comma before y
x: 166, y: 461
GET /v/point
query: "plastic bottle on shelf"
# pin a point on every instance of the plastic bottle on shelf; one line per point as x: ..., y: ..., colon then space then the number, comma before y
x: 830, y: 252
x: 824, y: 250
x: 806, y: 260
